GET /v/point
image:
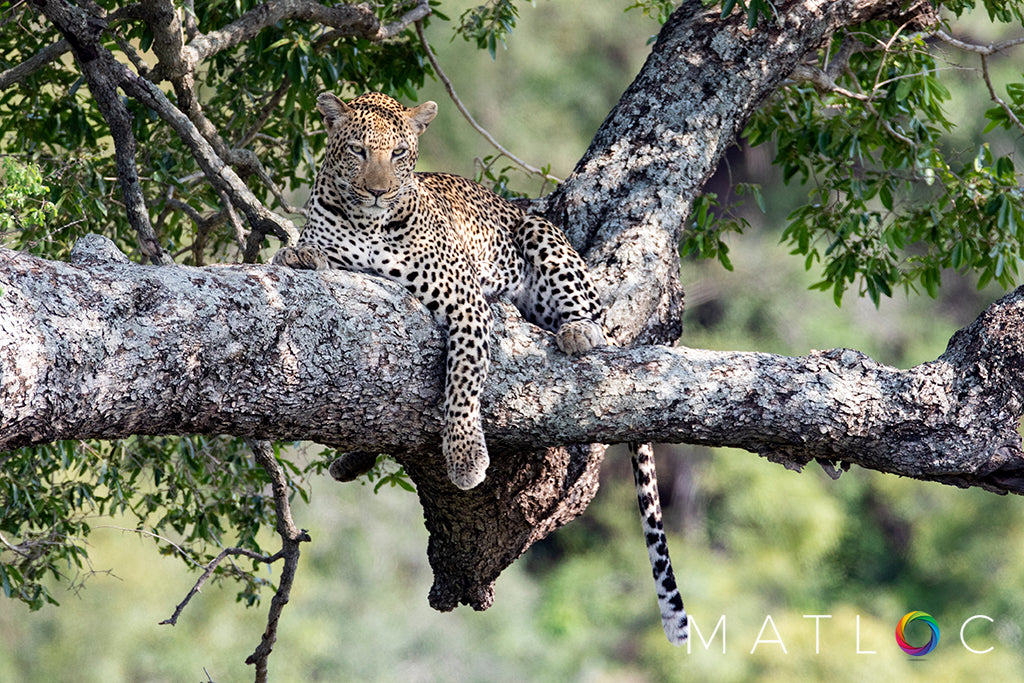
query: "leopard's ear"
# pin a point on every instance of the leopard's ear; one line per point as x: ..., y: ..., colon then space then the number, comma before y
x: 332, y: 109
x: 421, y: 116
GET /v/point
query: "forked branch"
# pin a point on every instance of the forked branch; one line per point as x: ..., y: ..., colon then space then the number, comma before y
x: 291, y: 538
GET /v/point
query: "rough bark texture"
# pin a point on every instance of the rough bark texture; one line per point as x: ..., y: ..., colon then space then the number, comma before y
x: 106, y: 349
x: 103, y: 348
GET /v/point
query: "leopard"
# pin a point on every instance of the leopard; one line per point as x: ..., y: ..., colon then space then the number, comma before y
x: 455, y: 246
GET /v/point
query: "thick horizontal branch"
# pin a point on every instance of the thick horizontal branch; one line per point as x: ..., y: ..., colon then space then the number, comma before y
x: 109, y: 350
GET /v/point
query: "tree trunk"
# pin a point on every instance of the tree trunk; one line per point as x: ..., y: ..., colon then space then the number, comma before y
x: 625, y: 204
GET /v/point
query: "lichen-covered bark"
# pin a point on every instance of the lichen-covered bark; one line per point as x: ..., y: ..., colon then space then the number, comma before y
x: 106, y: 350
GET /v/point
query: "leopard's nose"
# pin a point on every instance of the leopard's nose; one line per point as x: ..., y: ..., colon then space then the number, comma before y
x: 376, y: 192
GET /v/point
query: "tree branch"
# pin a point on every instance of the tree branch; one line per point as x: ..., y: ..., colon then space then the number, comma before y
x: 354, y: 362
x: 291, y: 538
x: 983, y: 50
x: 626, y: 203
x: 208, y: 572
x: 148, y: 359
x: 1000, y: 102
x: 169, y: 46
x: 217, y: 171
x: 82, y: 32
x: 105, y: 75
x: 112, y: 349
x: 356, y: 20
x: 48, y: 54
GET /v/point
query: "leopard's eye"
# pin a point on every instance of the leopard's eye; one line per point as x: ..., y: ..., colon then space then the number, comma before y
x: 400, y: 153
x: 357, y: 149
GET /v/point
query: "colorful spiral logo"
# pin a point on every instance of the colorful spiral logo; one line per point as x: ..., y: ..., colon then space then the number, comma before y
x: 902, y: 641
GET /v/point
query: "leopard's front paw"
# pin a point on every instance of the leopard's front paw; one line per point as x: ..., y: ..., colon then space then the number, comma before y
x: 465, y: 453
x: 306, y: 257
x: 579, y: 336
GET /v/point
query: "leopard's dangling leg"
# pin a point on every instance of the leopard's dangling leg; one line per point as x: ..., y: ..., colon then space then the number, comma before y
x: 673, y: 616
x: 463, y: 309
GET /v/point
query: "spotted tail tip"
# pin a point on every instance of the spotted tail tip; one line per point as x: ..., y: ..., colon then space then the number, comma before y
x: 677, y: 627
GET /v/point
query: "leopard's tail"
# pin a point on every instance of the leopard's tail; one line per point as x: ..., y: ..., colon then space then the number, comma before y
x: 673, y: 617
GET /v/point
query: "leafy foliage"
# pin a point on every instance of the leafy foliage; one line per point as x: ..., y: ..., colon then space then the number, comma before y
x: 194, y: 496
x: 659, y: 10
x: 890, y: 204
x: 260, y: 95
x: 23, y: 204
x: 754, y: 9
x: 500, y: 180
x: 488, y: 24
x: 710, y: 222
x: 385, y: 471
x: 997, y: 10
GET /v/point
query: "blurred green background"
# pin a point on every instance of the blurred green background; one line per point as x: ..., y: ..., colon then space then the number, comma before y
x: 750, y: 540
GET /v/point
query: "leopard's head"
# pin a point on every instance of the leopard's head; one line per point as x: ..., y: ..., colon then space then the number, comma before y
x: 372, y: 145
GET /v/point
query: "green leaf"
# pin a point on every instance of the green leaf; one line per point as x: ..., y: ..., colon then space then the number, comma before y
x: 723, y: 256
x: 957, y: 256
x: 885, y: 196
x: 903, y: 88
x: 5, y: 581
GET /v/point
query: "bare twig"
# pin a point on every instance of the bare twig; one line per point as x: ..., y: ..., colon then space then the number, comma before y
x: 1000, y: 102
x: 269, y: 107
x: 247, y: 159
x: 208, y: 572
x: 840, y: 62
x: 12, y: 547
x: 291, y: 537
x: 174, y: 204
x: 469, y: 117
x: 984, y: 50
x: 143, y: 532
x: 824, y: 82
x: 132, y: 54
